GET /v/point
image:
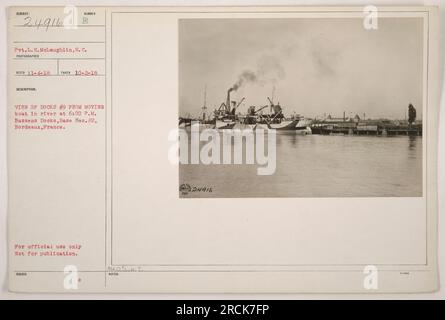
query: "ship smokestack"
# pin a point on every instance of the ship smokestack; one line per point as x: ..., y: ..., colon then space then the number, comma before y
x: 228, y: 99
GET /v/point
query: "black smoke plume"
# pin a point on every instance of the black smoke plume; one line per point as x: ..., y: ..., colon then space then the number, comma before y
x: 269, y: 69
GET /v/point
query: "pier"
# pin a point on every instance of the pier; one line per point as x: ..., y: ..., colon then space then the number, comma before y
x: 380, y: 129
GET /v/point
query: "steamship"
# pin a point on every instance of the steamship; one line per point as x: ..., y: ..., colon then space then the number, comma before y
x: 225, y: 117
x: 275, y: 119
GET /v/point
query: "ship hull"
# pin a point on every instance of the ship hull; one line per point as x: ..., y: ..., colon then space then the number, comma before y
x: 244, y: 126
x: 303, y: 124
x: 287, y: 126
x: 220, y: 125
x: 284, y: 125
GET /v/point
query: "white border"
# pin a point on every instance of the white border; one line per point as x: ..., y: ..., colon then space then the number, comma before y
x: 4, y: 294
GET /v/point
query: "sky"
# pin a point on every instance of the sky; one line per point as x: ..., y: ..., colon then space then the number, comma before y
x: 317, y: 66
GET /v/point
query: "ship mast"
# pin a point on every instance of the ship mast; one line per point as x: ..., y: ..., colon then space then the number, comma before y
x: 273, y: 96
x: 273, y: 93
x: 204, y: 107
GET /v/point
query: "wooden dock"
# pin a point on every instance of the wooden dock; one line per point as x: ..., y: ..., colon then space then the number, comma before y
x: 376, y: 130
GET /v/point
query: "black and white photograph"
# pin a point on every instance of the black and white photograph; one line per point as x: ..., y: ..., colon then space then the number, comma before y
x: 222, y: 150
x: 326, y: 107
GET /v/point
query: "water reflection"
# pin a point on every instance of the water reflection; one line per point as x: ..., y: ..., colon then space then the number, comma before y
x: 412, y: 142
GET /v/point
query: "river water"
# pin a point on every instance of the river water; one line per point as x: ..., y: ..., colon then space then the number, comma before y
x: 317, y: 166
